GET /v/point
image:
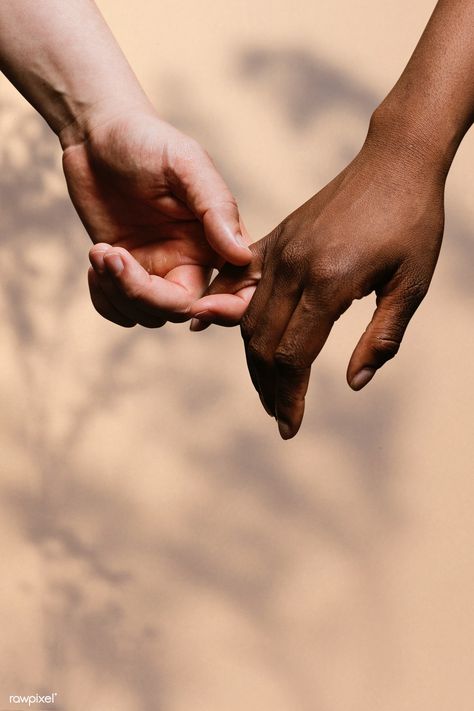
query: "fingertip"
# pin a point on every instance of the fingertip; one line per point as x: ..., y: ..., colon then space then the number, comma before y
x: 96, y: 256
x: 361, y: 378
x: 289, y: 419
x: 242, y: 260
x: 286, y: 430
x: 196, y: 325
x: 114, y: 263
x: 224, y: 234
x: 237, y: 253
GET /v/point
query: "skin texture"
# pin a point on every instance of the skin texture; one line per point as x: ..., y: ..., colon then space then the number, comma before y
x: 377, y: 227
x: 161, y: 213
x: 149, y: 195
x: 366, y: 231
x: 163, y: 217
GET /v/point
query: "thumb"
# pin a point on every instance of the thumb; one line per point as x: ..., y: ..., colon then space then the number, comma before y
x: 208, y: 196
x: 383, y: 336
x: 226, y: 299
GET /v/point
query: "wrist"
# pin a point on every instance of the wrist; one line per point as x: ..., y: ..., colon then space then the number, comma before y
x: 422, y: 146
x: 87, y: 117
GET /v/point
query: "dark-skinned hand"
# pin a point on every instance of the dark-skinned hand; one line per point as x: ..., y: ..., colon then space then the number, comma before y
x: 377, y: 227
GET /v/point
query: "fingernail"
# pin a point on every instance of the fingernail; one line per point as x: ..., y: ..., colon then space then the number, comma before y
x: 97, y: 261
x: 114, y: 264
x: 284, y: 429
x: 362, y: 378
x: 197, y: 325
x: 238, y: 238
x: 199, y: 322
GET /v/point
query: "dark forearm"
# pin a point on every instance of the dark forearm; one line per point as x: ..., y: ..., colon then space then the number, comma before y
x: 431, y: 107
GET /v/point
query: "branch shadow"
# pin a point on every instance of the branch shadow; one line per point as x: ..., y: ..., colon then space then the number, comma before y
x: 236, y: 537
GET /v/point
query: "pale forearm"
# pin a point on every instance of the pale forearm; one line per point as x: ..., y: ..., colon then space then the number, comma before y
x: 63, y: 58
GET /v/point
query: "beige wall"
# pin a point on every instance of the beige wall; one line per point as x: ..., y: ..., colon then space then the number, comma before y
x: 161, y: 548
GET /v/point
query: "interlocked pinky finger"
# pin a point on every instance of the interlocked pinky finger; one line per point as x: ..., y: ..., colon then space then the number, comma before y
x: 102, y: 304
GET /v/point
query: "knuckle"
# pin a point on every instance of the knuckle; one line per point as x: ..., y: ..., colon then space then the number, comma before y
x: 385, y: 347
x: 183, y: 155
x: 284, y: 358
x: 290, y: 258
x: 414, y: 293
x: 411, y: 287
x: 288, y: 359
x: 223, y: 203
x: 327, y: 277
x: 228, y: 199
x: 259, y: 352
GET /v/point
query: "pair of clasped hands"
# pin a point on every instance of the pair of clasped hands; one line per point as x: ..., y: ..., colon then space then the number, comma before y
x: 165, y: 219
x: 162, y: 218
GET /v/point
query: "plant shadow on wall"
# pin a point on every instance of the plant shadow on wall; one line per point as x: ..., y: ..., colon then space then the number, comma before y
x: 70, y: 521
x: 236, y: 539
x: 304, y: 88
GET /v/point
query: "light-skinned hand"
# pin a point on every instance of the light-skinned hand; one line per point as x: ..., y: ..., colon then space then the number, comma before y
x: 161, y: 215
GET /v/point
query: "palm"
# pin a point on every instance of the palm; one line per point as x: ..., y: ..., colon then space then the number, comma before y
x: 136, y: 186
x: 136, y: 210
